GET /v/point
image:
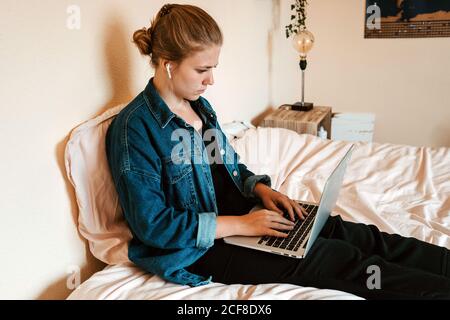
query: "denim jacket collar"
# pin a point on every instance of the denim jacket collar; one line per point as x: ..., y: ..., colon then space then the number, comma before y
x: 161, y: 111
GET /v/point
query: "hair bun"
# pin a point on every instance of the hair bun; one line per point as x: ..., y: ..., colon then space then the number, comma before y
x: 143, y: 41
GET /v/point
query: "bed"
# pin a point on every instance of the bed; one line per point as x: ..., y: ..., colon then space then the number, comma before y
x: 401, y: 189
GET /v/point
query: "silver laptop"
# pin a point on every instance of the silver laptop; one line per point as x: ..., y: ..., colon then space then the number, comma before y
x: 302, y: 237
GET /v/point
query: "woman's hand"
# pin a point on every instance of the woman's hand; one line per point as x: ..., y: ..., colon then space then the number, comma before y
x: 277, y: 201
x: 263, y: 222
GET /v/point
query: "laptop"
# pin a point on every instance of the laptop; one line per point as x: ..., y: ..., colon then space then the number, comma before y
x: 305, y: 232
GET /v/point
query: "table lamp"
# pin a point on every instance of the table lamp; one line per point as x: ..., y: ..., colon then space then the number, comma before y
x: 303, y: 42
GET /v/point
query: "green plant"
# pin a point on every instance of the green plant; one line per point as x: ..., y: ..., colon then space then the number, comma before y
x: 298, y: 18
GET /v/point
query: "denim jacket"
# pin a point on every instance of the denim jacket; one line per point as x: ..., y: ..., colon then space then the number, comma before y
x: 165, y: 185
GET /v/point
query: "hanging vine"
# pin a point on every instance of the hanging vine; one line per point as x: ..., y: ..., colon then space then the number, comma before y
x: 298, y: 18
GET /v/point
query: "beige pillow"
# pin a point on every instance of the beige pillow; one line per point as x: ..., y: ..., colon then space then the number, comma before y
x: 100, y: 218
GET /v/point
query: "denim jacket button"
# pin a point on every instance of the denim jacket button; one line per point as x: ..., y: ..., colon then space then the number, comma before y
x: 235, y: 173
x: 222, y: 152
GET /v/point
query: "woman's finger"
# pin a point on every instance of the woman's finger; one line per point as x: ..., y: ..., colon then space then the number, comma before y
x: 288, y: 206
x: 280, y: 219
x: 275, y: 233
x: 282, y: 226
x: 305, y: 213
x: 298, y: 209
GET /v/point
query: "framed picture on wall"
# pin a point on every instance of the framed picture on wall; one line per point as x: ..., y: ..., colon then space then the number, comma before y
x: 407, y: 18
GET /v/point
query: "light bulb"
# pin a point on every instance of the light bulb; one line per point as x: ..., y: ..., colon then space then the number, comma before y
x: 303, y: 42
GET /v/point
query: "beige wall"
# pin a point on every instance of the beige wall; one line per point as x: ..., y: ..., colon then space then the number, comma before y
x: 405, y: 82
x: 53, y: 78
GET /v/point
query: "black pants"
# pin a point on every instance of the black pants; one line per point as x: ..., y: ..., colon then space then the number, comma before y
x: 350, y: 257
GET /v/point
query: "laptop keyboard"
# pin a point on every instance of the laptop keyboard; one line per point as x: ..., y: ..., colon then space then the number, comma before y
x: 295, y: 236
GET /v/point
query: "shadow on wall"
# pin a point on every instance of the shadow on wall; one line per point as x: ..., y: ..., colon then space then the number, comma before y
x: 441, y: 135
x: 59, y: 289
x: 116, y: 46
x: 276, y: 13
x: 117, y: 58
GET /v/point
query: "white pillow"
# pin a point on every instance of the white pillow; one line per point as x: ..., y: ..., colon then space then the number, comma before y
x: 100, y: 218
x: 236, y: 129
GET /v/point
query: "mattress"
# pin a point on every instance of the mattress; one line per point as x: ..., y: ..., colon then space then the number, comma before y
x: 401, y: 189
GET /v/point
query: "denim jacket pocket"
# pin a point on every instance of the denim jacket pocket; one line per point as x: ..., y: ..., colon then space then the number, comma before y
x: 178, y: 183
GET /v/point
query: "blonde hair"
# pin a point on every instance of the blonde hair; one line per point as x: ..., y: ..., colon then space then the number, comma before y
x: 176, y: 32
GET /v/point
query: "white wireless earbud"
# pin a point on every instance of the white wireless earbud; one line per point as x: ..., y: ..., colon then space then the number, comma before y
x: 168, y: 70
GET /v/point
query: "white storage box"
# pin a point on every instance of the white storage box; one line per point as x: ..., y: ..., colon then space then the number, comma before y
x: 352, y: 126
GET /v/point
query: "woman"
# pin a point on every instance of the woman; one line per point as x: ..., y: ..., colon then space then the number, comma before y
x: 182, y: 188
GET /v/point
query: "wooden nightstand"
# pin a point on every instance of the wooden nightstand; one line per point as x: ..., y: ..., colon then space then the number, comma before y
x: 300, y: 121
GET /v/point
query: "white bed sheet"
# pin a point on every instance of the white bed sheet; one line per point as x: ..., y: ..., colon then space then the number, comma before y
x: 401, y: 189
x: 127, y: 282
